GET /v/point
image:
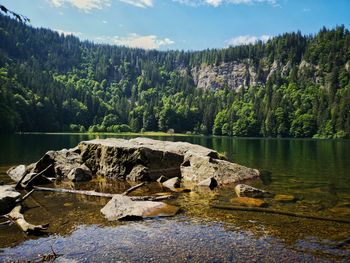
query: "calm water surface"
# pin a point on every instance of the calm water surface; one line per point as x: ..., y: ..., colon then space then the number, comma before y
x: 315, y: 171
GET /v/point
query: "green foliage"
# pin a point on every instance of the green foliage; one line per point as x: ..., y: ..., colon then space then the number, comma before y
x: 52, y: 82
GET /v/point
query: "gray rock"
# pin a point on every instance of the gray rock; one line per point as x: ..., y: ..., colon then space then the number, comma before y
x: 16, y: 173
x: 243, y: 190
x: 79, y: 174
x: 8, y: 197
x: 172, y: 183
x: 145, y: 159
x: 138, y: 173
x: 210, y: 182
x: 162, y: 179
x: 121, y: 207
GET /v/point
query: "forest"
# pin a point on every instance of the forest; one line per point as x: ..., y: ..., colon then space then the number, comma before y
x: 55, y: 83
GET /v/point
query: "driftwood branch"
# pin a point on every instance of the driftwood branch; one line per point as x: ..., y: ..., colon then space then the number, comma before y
x: 21, y: 199
x: 272, y: 211
x: 131, y: 189
x: 5, y: 223
x: 19, y: 184
x: 98, y: 194
x: 16, y: 216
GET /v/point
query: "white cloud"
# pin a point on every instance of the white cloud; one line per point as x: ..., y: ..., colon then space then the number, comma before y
x: 104, y: 22
x: 245, y: 40
x: 217, y: 3
x: 85, y: 5
x: 139, y: 3
x: 137, y: 41
x: 67, y: 33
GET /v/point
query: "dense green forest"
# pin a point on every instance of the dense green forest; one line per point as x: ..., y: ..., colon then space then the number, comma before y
x: 51, y: 82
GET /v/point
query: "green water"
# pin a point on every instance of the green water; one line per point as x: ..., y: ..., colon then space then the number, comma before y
x: 314, y: 171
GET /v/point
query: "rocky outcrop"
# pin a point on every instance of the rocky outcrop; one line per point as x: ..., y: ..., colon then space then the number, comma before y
x: 142, y: 159
x: 231, y: 74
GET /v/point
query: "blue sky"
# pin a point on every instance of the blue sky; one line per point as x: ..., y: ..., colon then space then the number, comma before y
x: 182, y: 24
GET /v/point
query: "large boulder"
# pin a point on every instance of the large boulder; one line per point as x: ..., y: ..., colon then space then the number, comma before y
x: 121, y: 207
x: 142, y: 159
x: 118, y: 157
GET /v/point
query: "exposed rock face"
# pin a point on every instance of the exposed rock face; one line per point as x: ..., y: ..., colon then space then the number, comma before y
x: 8, y: 197
x: 143, y: 159
x: 231, y: 74
x: 122, y: 207
x: 243, y: 190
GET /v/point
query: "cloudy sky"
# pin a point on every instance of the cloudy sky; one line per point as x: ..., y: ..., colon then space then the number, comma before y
x: 182, y: 24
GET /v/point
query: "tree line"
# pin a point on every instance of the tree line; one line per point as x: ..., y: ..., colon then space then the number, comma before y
x: 50, y: 82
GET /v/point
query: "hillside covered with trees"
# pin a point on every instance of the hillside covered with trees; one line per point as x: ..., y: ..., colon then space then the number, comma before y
x: 51, y: 83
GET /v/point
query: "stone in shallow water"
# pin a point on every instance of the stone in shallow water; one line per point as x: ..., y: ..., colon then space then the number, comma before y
x: 210, y: 182
x: 285, y: 198
x: 8, y: 197
x: 172, y: 183
x: 17, y: 172
x: 249, y: 191
x: 122, y: 207
x: 248, y: 201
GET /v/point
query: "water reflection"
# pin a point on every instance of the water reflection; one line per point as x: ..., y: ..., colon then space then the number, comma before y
x: 316, y: 172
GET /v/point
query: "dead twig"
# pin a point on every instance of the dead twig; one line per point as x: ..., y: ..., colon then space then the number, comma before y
x: 131, y: 189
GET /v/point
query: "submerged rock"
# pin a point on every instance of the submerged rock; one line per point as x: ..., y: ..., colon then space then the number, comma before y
x: 121, y: 207
x: 8, y: 197
x: 285, y: 198
x: 243, y: 190
x: 248, y: 201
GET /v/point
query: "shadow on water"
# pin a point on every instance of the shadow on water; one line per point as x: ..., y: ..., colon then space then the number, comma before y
x: 313, y: 171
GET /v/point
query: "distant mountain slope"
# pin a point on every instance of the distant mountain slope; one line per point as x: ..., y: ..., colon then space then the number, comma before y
x: 291, y: 86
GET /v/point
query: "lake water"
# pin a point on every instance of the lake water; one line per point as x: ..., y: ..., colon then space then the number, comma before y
x: 315, y: 171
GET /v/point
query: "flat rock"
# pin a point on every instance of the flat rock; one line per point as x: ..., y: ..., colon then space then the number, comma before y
x: 17, y: 172
x: 162, y: 179
x: 121, y: 207
x: 285, y: 198
x: 248, y: 201
x: 243, y: 190
x: 8, y: 197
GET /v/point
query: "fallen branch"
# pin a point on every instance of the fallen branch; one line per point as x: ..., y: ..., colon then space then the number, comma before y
x: 21, y: 199
x: 5, y: 223
x: 19, y: 184
x: 16, y: 216
x: 271, y: 211
x: 98, y: 194
x: 131, y: 189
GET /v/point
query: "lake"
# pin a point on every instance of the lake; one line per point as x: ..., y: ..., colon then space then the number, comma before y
x: 314, y: 171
